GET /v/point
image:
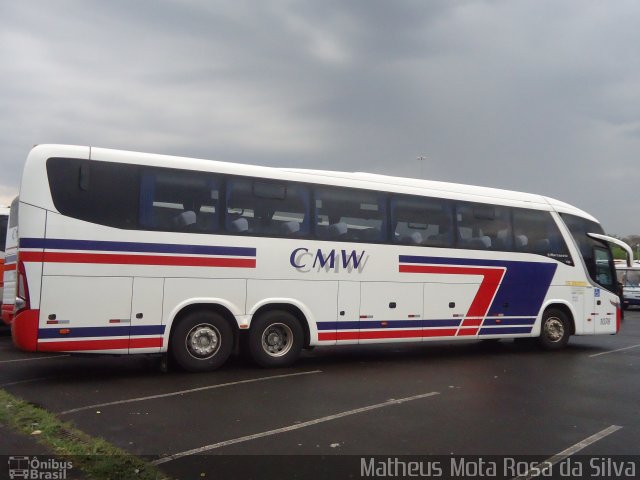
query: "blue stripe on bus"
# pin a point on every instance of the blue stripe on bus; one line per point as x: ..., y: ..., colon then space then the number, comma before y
x: 377, y: 324
x: 85, y: 332
x: 441, y: 323
x: 509, y: 321
x: 100, y: 245
x: 369, y: 324
x: 504, y: 331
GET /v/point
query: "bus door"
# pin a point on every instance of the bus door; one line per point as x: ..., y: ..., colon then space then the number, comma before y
x: 147, y: 327
x: 446, y: 305
x: 348, y: 316
x: 604, y: 311
x: 390, y: 311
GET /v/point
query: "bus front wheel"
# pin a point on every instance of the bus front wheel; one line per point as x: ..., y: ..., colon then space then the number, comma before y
x: 275, y: 339
x: 202, y: 341
x: 555, y: 330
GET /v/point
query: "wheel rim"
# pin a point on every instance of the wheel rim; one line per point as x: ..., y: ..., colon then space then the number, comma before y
x: 554, y: 329
x: 203, y: 341
x: 277, y: 339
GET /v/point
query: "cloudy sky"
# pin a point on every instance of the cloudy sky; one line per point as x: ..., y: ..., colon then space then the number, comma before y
x: 539, y: 96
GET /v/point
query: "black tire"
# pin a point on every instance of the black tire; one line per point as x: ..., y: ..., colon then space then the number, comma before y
x: 201, y: 341
x: 275, y: 339
x: 555, y: 330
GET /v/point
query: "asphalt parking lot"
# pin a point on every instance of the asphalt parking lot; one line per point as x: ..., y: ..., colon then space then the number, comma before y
x: 470, y: 398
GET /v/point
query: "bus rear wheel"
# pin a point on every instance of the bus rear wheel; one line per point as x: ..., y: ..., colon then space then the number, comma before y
x: 202, y: 341
x: 555, y: 330
x: 275, y: 339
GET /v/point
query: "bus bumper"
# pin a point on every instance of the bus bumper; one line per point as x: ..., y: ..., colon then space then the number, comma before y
x: 24, y: 330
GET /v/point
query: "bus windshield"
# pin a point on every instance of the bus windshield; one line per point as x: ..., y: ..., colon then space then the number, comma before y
x: 597, y: 255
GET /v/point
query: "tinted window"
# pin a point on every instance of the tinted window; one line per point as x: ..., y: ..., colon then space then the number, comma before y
x: 628, y: 277
x: 604, y: 267
x: 579, y: 227
x: 13, y: 212
x: 355, y: 215
x: 535, y: 231
x: 267, y: 208
x: 4, y: 220
x: 422, y: 221
x: 484, y: 227
x: 179, y: 200
x: 98, y: 192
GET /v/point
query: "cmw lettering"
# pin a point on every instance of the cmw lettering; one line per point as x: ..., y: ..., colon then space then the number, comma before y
x: 304, y: 261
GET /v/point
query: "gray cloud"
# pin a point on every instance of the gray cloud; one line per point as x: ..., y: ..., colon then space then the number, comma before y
x: 539, y: 96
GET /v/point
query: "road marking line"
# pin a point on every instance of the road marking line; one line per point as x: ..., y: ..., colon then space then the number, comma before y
x: 543, y: 466
x: 290, y: 428
x: 29, y: 380
x: 182, y: 392
x: 32, y: 359
x: 613, y: 351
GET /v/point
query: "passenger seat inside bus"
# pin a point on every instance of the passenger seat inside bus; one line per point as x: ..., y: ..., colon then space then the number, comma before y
x: 478, y: 243
x: 239, y: 225
x: 415, y: 238
x: 440, y: 240
x: 541, y: 246
x: 370, y: 234
x: 184, y: 219
x: 521, y: 242
x: 337, y: 230
x: 289, y: 228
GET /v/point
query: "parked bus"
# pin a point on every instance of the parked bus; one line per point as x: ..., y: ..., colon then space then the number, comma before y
x: 9, y: 271
x: 123, y: 252
x: 629, y: 278
x: 4, y: 221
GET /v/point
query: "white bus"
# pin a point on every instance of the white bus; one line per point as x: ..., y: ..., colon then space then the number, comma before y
x: 10, y: 239
x: 629, y: 278
x: 123, y: 252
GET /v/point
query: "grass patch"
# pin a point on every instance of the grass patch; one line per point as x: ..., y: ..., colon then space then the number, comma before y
x: 96, y: 457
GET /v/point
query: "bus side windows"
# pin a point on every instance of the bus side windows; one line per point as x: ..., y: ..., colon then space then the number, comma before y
x: 104, y: 193
x: 484, y: 227
x: 267, y: 208
x: 179, y: 201
x: 535, y: 231
x: 3, y: 232
x: 350, y: 215
x: 422, y: 221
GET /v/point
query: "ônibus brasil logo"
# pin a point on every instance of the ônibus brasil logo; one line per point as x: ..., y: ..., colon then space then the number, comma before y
x: 36, y: 469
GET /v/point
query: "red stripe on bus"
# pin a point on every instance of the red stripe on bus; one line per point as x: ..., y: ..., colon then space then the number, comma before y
x: 109, y: 344
x: 118, y: 259
x: 443, y: 332
x: 466, y: 332
x: 145, y: 342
